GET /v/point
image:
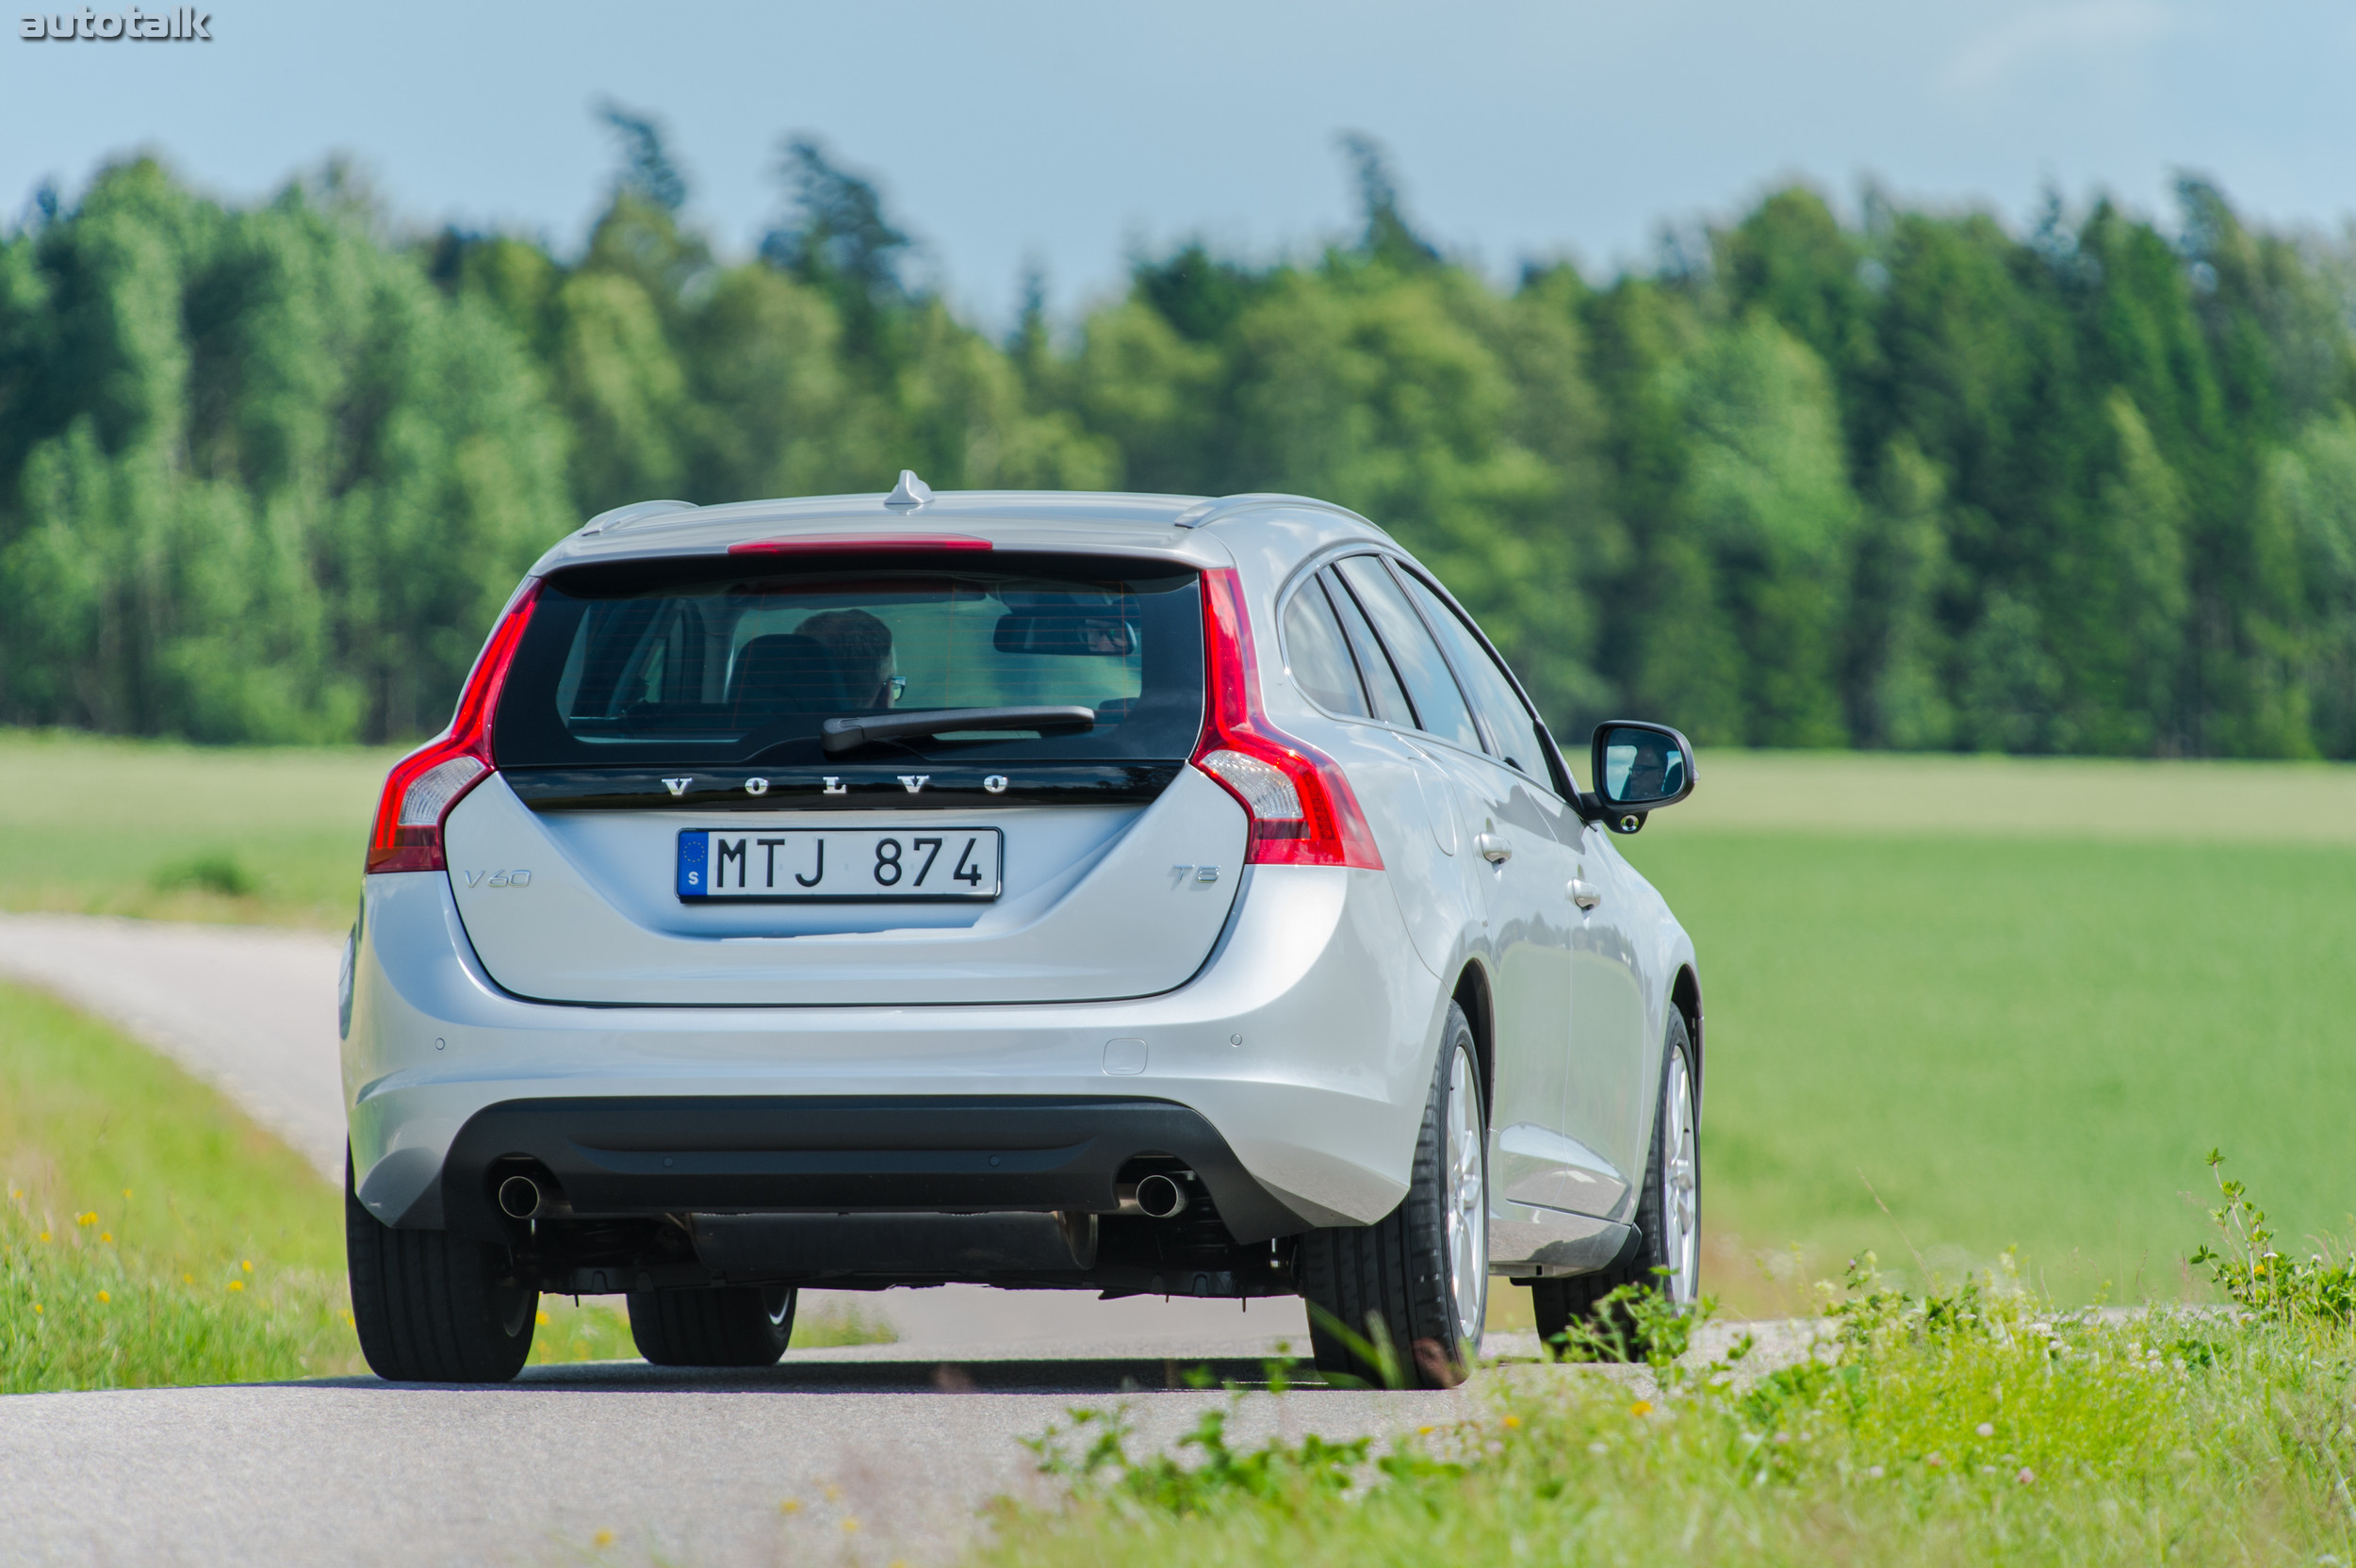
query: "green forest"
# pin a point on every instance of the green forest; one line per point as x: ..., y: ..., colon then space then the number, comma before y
x: 1918, y: 480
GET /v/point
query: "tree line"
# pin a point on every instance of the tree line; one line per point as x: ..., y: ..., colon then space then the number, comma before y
x: 1915, y: 481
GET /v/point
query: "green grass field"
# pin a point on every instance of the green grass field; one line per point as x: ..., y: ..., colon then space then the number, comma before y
x: 2017, y: 999
x: 254, y: 834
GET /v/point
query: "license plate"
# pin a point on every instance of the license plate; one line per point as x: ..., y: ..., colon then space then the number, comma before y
x: 840, y: 863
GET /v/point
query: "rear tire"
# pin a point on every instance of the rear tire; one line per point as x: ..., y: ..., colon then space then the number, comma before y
x: 733, y: 1326
x: 1668, y: 1213
x: 1414, y: 1283
x: 431, y: 1307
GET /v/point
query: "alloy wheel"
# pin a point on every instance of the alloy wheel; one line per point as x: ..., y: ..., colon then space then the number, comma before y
x: 1680, y: 1183
x: 1467, y: 1210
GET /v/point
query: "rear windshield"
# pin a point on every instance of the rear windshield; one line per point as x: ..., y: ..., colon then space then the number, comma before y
x: 719, y: 661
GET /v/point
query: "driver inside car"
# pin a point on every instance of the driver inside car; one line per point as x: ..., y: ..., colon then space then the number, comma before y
x: 860, y: 645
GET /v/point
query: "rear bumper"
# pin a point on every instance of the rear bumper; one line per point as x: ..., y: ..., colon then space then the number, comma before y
x: 1303, y: 1047
x: 615, y: 1158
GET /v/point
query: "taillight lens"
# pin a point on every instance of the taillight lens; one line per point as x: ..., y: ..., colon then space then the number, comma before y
x: 424, y: 785
x: 1303, y: 812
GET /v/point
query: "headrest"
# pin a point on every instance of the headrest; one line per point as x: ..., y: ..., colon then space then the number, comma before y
x: 786, y: 673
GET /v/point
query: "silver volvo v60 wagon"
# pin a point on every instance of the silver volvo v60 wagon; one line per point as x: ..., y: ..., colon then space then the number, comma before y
x: 1127, y: 893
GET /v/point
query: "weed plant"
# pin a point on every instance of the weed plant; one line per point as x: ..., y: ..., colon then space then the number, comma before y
x: 1962, y: 1425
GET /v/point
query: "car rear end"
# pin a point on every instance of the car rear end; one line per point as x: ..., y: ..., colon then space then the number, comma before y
x: 830, y: 893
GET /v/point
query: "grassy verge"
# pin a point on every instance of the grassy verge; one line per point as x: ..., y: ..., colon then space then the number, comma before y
x: 152, y: 1234
x: 1983, y: 1424
x: 2091, y: 1444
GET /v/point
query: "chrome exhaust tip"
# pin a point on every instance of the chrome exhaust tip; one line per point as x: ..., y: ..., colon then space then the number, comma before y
x: 520, y: 1197
x: 1160, y: 1197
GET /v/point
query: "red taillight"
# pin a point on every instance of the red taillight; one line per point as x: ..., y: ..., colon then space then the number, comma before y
x: 424, y: 785
x: 1302, y: 810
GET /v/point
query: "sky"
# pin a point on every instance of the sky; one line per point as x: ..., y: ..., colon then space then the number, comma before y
x: 1067, y: 137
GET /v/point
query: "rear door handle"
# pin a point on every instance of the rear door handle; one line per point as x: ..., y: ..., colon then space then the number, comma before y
x: 1493, y: 849
x: 1585, y: 893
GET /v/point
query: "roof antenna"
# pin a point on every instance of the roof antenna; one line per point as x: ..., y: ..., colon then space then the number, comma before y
x: 910, y: 493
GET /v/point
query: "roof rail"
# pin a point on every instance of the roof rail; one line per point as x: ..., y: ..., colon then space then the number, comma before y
x: 636, y: 512
x: 1203, y: 514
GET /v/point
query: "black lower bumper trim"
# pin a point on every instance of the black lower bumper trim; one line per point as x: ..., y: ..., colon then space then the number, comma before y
x: 624, y: 1157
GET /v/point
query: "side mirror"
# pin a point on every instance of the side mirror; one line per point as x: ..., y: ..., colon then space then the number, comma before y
x: 1638, y: 768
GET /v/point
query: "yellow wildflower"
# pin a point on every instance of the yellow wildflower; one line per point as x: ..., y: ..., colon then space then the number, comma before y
x: 126, y: 1192
x: 1512, y: 1420
x: 188, y: 1279
x: 44, y: 1235
x: 792, y: 1505
x: 1641, y: 1407
x: 541, y: 1318
x: 850, y: 1527
x: 90, y: 1218
x: 237, y: 1284
x: 106, y: 1235
x: 105, y: 1297
x: 603, y: 1538
x: 248, y: 1265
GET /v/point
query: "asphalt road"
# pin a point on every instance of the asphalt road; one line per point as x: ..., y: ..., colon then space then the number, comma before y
x: 865, y: 1455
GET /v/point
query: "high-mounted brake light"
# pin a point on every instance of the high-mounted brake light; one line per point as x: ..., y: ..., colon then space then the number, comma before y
x: 424, y: 785
x: 1303, y: 812
x: 859, y: 544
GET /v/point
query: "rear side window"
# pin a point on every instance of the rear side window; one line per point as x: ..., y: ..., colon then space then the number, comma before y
x: 1321, y: 659
x: 1510, y: 724
x: 1439, y: 706
x: 1388, y: 697
x: 741, y: 660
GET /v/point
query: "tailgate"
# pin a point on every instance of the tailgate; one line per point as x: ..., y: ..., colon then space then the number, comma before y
x: 1098, y: 902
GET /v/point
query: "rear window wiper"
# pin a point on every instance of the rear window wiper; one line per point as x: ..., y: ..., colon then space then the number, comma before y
x: 850, y: 734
